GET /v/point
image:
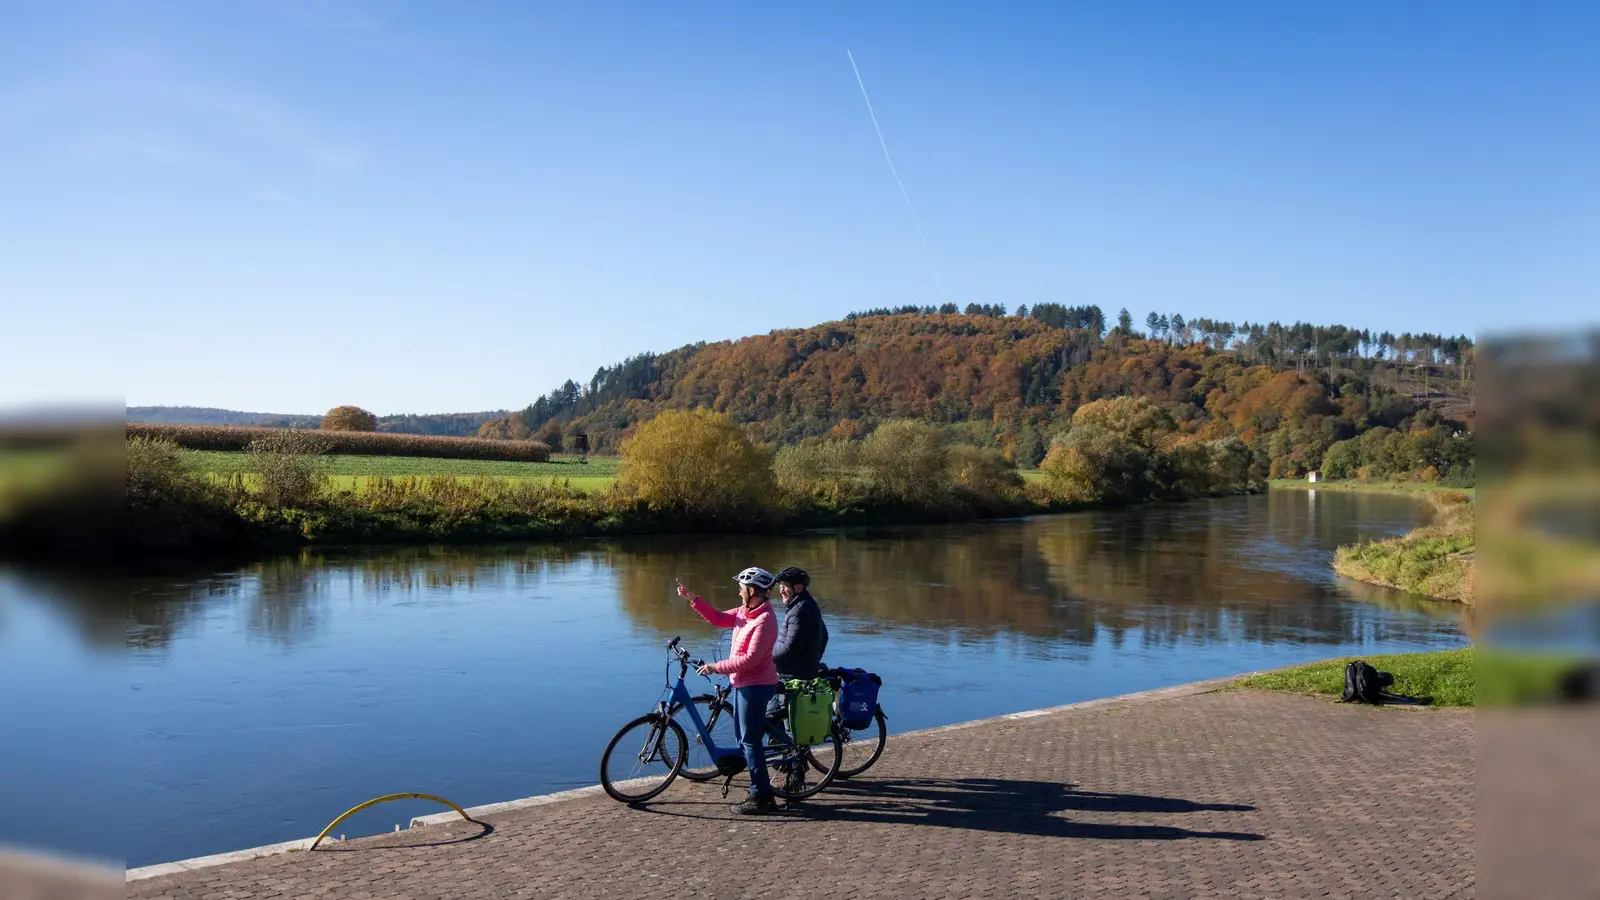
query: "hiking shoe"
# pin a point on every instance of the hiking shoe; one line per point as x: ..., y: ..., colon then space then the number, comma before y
x: 755, y: 806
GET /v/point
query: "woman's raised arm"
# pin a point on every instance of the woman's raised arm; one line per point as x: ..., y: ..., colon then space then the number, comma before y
x: 715, y: 616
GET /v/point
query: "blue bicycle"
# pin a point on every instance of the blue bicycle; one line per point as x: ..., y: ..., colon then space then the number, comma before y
x: 651, y: 751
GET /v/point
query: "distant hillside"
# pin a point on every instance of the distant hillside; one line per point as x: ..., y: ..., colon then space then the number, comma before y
x: 206, y: 415
x: 1012, y: 380
x: 450, y: 424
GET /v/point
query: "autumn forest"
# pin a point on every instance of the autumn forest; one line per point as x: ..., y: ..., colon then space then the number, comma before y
x: 1012, y: 381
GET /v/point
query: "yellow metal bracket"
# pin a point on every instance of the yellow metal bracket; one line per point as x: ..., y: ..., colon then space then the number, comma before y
x: 385, y: 799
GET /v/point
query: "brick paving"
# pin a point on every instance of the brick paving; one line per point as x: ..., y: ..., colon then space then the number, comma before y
x: 1229, y: 794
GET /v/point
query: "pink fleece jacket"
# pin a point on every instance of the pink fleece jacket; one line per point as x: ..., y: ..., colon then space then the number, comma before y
x: 755, y: 631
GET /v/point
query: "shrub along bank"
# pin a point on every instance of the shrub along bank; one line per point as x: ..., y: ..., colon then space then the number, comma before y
x: 682, y: 470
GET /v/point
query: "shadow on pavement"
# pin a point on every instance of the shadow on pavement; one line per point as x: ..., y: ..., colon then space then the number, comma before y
x: 1040, y: 808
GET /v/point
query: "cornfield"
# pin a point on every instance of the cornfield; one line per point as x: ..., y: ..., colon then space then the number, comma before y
x: 366, y: 443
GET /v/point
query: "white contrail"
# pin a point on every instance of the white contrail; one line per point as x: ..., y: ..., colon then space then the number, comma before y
x: 932, y: 266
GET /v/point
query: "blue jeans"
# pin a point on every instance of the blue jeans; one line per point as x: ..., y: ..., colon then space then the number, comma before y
x: 750, y: 725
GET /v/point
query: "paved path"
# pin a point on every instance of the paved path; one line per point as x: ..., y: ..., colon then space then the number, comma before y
x: 1233, y: 794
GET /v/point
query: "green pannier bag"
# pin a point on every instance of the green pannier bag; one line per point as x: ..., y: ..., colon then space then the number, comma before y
x: 810, y: 710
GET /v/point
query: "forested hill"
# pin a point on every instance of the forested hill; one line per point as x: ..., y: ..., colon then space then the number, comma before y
x: 1011, y: 380
x: 457, y: 424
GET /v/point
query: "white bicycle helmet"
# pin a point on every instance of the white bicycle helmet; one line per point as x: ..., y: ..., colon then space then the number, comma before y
x: 756, y: 577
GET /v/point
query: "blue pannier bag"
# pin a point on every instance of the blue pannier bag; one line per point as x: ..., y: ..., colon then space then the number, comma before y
x: 858, y: 698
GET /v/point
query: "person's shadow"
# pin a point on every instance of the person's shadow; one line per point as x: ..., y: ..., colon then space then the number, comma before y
x: 1042, y: 808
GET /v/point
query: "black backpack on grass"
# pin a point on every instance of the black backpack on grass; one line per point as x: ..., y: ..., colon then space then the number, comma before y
x: 1364, y: 684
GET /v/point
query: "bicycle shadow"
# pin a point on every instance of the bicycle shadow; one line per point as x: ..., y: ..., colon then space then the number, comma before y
x: 1039, y: 808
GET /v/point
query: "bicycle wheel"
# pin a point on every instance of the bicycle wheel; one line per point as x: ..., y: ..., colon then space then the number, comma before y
x: 719, y: 722
x: 799, y: 772
x: 862, y: 748
x: 649, y: 752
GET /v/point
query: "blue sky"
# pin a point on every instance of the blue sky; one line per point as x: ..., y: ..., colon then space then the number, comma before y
x: 428, y: 207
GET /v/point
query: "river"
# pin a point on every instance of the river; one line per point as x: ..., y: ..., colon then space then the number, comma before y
x: 163, y: 718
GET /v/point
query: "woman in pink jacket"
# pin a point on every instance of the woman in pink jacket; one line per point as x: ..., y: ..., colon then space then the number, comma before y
x: 750, y: 668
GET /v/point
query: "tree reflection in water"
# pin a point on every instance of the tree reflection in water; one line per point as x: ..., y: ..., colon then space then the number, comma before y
x: 1247, y: 569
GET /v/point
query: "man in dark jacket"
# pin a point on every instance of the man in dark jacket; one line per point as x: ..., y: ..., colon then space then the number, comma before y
x: 804, y: 636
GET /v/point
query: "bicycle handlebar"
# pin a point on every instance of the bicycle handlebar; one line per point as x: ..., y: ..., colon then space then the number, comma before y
x: 682, y: 654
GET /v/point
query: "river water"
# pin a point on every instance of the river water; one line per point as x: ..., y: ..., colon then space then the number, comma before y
x: 165, y: 718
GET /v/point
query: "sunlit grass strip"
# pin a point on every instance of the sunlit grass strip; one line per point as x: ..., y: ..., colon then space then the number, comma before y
x: 1465, y: 677
x: 1404, y: 488
x: 1436, y: 560
x: 360, y: 484
x: 229, y: 462
x: 1450, y: 677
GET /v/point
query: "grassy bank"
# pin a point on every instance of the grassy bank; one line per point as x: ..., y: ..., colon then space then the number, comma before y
x: 1399, y: 488
x: 684, y: 471
x: 1437, y: 560
x: 1450, y: 677
x: 1465, y: 677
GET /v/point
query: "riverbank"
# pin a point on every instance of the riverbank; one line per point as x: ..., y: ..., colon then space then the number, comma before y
x: 1398, y: 488
x: 1102, y: 800
x: 1437, y: 560
x: 1448, y: 677
x: 1468, y: 677
x: 684, y: 472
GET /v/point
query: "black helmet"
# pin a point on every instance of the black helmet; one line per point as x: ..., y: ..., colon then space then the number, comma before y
x: 793, y: 575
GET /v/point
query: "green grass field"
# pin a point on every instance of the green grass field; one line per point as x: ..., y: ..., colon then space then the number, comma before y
x: 1448, y: 676
x: 1408, y: 488
x: 353, y: 471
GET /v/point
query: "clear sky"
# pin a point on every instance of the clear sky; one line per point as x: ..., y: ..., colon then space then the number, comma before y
x: 430, y: 207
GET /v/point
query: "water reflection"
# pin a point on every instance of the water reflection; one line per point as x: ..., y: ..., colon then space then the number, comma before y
x: 1253, y: 569
x: 287, y: 596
